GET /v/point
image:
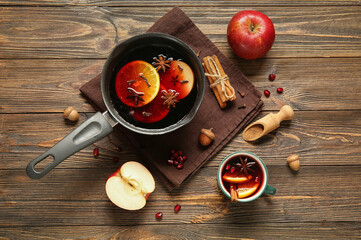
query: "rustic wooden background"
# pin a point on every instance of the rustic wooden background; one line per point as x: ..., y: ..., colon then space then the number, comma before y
x: 50, y: 48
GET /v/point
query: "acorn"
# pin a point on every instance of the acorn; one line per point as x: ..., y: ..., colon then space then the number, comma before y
x: 71, y: 114
x: 294, y: 162
x: 206, y: 136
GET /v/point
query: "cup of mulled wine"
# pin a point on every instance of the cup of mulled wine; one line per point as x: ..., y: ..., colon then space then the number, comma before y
x: 244, y: 175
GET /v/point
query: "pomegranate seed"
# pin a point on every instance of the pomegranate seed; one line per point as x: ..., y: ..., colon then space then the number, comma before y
x: 228, y: 166
x: 280, y: 90
x: 267, y: 93
x: 172, y: 157
x: 159, y: 215
x: 172, y: 151
x: 115, y: 159
x: 96, y: 152
x: 185, y: 158
x: 180, y: 166
x: 170, y: 162
x: 272, y: 77
x: 175, y: 162
x: 233, y: 169
x: 180, y: 153
x: 257, y: 179
x: 177, y: 208
x: 180, y: 159
x: 176, y: 154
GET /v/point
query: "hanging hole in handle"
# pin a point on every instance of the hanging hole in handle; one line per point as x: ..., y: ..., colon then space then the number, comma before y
x: 40, y: 166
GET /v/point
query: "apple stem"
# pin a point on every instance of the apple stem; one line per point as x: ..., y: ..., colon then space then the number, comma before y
x: 252, y: 27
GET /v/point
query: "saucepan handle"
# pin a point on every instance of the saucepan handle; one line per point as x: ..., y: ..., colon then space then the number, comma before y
x: 92, y: 130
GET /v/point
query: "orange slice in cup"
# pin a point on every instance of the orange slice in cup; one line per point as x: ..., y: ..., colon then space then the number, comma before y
x: 248, y: 188
x: 236, y: 177
x: 137, y: 83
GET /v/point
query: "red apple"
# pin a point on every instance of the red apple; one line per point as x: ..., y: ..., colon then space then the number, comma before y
x: 130, y: 186
x: 250, y: 34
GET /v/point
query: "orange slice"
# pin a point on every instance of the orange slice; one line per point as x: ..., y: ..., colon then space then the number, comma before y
x: 248, y: 188
x: 236, y: 177
x: 137, y: 83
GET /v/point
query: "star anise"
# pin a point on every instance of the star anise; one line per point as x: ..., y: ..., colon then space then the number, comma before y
x: 245, y: 166
x: 161, y: 62
x: 135, y: 96
x: 174, y: 80
x: 170, y: 97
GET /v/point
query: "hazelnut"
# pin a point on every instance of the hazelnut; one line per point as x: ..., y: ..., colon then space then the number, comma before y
x: 206, y: 137
x: 71, y: 114
x: 294, y: 162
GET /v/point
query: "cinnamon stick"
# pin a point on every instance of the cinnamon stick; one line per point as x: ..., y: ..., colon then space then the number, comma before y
x: 229, y: 91
x: 216, y: 93
x: 234, y: 196
x: 218, y: 87
x: 211, y: 64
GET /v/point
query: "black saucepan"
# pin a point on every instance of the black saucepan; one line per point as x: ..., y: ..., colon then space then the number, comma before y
x: 101, y: 124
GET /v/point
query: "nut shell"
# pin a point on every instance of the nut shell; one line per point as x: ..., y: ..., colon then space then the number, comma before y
x: 71, y: 114
x: 294, y: 162
x: 208, y: 133
x: 206, y: 137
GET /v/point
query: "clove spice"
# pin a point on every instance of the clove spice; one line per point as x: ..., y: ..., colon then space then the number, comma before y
x: 144, y: 78
x: 243, y: 106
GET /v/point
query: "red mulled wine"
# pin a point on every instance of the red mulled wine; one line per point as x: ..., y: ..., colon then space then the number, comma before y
x: 176, y: 95
x: 244, y: 175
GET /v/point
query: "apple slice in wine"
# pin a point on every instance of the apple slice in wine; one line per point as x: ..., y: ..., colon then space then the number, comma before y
x: 179, y: 77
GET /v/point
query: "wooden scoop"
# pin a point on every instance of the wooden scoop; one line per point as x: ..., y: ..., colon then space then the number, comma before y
x: 267, y: 124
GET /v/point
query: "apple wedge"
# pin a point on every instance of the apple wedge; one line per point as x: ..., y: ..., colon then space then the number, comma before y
x: 178, y: 77
x: 130, y: 186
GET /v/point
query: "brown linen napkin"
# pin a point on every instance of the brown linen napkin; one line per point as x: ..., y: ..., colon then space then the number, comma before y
x: 226, y: 123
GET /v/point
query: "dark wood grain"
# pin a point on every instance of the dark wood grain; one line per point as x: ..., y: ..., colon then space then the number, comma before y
x: 91, y: 32
x: 53, y: 84
x: 77, y: 197
x: 319, y: 230
x: 155, y: 3
x: 48, y: 49
x: 87, y: 185
x: 320, y: 138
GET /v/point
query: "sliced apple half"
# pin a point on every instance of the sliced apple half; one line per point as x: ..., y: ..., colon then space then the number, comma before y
x: 130, y: 186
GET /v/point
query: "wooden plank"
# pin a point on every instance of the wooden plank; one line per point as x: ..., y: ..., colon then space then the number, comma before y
x: 320, y: 138
x: 309, y: 84
x: 91, y: 32
x: 52, y: 85
x: 181, y: 3
x: 88, y: 185
x: 317, y: 230
x: 77, y: 197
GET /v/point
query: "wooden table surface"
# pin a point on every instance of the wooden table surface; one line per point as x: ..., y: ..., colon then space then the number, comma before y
x: 48, y: 49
